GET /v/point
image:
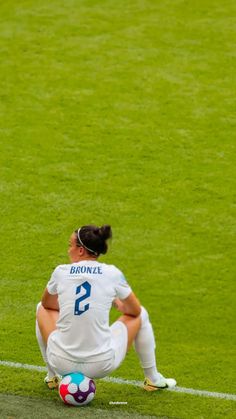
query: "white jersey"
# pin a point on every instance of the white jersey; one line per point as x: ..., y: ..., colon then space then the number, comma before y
x: 85, y: 293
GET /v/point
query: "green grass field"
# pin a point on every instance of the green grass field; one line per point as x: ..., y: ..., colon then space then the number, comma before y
x: 122, y: 112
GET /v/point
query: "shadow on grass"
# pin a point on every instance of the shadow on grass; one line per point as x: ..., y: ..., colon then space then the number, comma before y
x: 12, y: 407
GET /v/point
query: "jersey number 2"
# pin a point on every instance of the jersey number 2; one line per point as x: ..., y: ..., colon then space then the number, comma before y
x: 84, y: 291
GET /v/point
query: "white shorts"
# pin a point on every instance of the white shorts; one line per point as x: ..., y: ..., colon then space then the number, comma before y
x: 95, y: 369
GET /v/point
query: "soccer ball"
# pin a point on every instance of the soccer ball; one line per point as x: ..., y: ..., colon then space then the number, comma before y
x: 77, y: 389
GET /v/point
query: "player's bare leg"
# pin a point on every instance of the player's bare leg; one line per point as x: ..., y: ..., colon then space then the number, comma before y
x: 133, y: 325
x: 47, y: 321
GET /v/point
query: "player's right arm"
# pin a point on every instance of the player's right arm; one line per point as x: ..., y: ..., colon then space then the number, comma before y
x: 50, y: 295
x: 50, y: 301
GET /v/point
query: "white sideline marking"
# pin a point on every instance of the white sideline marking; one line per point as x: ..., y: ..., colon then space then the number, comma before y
x: 117, y: 380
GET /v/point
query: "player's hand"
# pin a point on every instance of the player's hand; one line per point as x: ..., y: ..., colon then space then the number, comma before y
x: 117, y: 303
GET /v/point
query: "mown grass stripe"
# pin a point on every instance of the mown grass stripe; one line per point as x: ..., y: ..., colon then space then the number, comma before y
x: 116, y: 380
x: 22, y: 366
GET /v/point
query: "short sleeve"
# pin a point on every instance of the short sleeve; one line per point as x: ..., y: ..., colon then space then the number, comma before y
x: 53, y: 283
x: 123, y: 289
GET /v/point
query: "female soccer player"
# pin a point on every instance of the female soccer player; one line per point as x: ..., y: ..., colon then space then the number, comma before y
x: 72, y: 325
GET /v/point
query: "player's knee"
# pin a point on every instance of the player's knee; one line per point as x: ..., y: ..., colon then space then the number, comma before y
x: 144, y: 316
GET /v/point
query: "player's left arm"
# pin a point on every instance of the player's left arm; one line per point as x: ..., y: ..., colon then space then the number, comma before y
x: 50, y: 301
x: 129, y: 305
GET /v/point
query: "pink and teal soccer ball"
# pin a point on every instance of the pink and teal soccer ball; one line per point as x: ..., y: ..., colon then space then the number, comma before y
x: 76, y: 389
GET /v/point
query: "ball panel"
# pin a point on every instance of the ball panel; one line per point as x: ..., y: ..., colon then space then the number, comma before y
x: 63, y: 391
x: 72, y: 388
x: 84, y: 385
x: 70, y: 400
x: 77, y: 377
x: 88, y: 400
x: 92, y: 386
x: 66, y: 379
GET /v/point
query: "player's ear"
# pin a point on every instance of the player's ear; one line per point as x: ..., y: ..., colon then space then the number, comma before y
x: 81, y: 251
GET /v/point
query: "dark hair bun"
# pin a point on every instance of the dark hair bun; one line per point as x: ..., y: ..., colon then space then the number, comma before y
x: 105, y: 232
x: 94, y: 238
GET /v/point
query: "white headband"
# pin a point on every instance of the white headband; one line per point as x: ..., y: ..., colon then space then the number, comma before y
x: 83, y: 245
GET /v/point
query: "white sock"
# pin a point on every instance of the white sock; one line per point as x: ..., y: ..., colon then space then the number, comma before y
x: 145, y: 345
x: 43, y: 347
